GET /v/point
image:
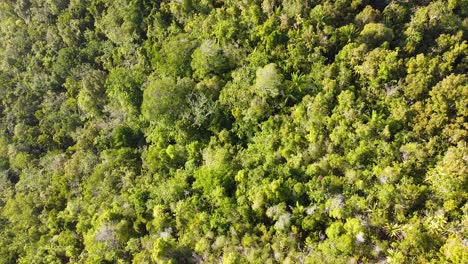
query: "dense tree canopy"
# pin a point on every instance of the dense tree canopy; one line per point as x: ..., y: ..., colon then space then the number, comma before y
x: 225, y: 131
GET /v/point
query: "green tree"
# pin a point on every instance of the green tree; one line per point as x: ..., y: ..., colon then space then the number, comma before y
x: 124, y: 90
x: 166, y: 99
x: 374, y: 34
x: 209, y: 59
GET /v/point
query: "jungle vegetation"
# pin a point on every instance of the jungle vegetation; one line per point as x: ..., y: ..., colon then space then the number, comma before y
x: 233, y: 131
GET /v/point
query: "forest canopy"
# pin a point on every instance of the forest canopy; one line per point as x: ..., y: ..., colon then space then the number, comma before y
x: 233, y: 131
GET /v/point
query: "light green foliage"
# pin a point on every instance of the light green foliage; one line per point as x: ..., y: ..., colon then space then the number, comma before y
x: 268, y: 82
x: 124, y: 90
x: 380, y: 66
x: 428, y: 22
x: 91, y: 91
x: 266, y: 131
x: 175, y: 62
x: 166, y: 98
x: 448, y: 177
x: 209, y: 59
x: 454, y: 250
x: 119, y: 21
x: 375, y: 34
x: 367, y: 15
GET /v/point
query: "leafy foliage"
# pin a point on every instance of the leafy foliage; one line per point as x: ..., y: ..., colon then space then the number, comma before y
x: 137, y: 131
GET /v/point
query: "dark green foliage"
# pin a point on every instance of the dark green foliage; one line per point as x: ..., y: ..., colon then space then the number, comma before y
x: 139, y: 131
